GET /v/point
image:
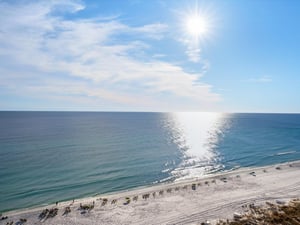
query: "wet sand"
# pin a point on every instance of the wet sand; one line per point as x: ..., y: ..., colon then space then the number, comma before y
x: 187, y: 202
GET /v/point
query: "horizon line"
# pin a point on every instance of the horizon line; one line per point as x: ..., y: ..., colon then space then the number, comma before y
x: 129, y: 111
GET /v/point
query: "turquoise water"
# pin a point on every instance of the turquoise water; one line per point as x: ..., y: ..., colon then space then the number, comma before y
x: 54, y: 156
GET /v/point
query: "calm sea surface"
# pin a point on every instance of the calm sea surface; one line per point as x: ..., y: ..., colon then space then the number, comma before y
x: 53, y: 156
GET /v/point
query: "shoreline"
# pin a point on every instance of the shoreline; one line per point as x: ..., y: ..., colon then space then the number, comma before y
x: 181, y: 202
x: 137, y: 188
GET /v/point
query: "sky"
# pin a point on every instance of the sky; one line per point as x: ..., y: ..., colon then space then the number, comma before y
x: 158, y: 55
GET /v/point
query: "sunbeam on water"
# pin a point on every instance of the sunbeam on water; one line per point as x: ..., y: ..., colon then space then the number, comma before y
x: 197, y: 134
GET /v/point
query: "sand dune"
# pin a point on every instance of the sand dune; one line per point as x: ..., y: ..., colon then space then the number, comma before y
x: 190, y: 202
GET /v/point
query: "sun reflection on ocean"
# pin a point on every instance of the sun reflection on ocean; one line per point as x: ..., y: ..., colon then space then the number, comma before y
x: 197, y: 134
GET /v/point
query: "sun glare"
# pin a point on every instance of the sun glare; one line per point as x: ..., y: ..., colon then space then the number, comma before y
x: 196, y: 25
x: 198, y: 22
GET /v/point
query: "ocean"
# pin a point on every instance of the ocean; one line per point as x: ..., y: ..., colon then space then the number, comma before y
x: 54, y: 156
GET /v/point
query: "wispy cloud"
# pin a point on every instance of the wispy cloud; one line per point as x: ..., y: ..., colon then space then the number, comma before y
x: 193, y: 53
x: 44, y: 54
x: 263, y: 79
x: 192, y: 46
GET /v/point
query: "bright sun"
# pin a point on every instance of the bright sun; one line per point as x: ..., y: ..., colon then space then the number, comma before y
x: 196, y: 25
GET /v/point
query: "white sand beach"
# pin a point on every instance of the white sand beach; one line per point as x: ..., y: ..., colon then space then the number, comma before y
x: 190, y: 202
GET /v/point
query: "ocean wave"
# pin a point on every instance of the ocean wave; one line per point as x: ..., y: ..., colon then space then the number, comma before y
x: 284, y: 153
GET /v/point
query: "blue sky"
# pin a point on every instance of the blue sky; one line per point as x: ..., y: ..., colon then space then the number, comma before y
x: 139, y: 55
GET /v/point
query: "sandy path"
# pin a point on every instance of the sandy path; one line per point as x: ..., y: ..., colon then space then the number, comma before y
x: 214, y: 198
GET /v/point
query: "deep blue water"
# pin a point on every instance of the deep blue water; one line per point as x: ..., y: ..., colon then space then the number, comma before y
x: 53, y: 156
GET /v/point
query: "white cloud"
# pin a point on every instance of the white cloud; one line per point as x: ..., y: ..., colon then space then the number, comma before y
x: 87, y: 58
x: 152, y: 30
